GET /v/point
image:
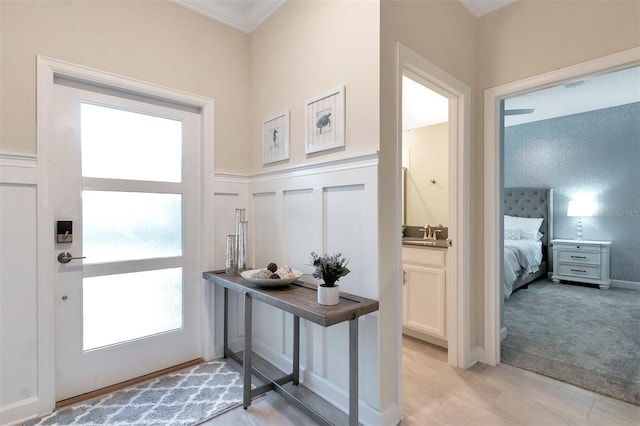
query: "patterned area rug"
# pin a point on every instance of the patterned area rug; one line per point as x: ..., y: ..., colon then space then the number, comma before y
x: 186, y: 397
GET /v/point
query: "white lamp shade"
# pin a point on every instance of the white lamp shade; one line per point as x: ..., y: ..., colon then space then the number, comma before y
x: 581, y: 207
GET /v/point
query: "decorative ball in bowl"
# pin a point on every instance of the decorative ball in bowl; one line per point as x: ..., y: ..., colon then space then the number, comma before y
x: 272, y: 276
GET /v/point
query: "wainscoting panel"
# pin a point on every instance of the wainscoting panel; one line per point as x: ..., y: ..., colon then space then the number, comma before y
x: 19, y: 393
x: 344, y: 229
x: 230, y: 193
x: 266, y: 228
x: 303, y: 224
x: 18, y: 293
x: 327, y: 209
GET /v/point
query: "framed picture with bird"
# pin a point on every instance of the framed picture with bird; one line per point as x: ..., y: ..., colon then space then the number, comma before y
x: 275, y: 138
x: 324, y: 121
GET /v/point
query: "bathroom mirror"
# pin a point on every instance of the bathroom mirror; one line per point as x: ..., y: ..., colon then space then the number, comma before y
x: 425, y: 155
x: 426, y: 183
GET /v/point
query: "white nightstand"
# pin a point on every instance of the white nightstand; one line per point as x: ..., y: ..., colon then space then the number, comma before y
x: 582, y: 261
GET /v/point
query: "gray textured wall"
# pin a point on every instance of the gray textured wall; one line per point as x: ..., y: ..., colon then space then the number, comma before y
x: 596, y: 153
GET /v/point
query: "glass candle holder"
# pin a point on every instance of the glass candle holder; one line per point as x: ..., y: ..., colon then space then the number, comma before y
x: 243, y: 256
x: 240, y: 217
x: 231, y: 264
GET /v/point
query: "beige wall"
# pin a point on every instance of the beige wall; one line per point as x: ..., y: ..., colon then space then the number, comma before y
x: 531, y: 37
x: 304, y: 50
x: 425, y: 153
x: 444, y: 33
x: 157, y: 42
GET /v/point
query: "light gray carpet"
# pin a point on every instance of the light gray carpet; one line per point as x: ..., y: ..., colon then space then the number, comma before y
x: 581, y: 335
x: 186, y: 397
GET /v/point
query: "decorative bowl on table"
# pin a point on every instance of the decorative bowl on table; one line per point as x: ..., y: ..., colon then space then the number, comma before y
x: 256, y: 276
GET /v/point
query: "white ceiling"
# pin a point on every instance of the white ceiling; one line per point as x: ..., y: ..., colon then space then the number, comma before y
x: 482, y: 7
x: 587, y: 94
x: 421, y: 106
x: 243, y: 15
x: 246, y: 15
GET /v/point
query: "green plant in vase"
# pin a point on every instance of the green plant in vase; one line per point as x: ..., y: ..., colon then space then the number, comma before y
x: 329, y: 268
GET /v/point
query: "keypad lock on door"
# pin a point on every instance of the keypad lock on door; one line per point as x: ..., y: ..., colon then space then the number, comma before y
x: 64, y: 231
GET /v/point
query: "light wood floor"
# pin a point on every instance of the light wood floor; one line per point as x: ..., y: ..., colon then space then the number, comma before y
x: 437, y: 394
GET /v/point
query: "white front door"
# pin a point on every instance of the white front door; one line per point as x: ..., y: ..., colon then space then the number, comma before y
x: 127, y: 187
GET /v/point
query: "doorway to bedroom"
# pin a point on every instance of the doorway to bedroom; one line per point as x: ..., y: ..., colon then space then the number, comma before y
x: 569, y: 138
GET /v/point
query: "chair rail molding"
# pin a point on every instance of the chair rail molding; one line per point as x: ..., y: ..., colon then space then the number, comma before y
x: 18, y: 168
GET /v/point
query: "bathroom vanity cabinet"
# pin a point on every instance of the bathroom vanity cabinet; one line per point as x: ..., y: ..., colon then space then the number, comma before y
x: 424, y: 293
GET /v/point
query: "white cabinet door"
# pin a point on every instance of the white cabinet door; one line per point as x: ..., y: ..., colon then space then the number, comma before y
x: 424, y: 293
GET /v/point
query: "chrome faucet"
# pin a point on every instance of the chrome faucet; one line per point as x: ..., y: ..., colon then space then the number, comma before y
x: 430, y: 234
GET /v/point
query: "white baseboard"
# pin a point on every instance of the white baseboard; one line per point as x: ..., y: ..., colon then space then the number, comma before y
x: 477, y: 355
x: 443, y: 343
x: 338, y: 397
x: 274, y: 357
x: 391, y: 415
x: 503, y: 333
x: 20, y: 411
x: 631, y: 285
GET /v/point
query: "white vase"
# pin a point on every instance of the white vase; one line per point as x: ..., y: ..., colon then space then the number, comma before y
x: 328, y: 295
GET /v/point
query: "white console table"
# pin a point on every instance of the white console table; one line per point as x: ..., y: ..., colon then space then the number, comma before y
x: 585, y: 261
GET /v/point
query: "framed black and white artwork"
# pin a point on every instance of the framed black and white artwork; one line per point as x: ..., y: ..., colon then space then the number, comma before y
x: 275, y: 138
x: 325, y: 121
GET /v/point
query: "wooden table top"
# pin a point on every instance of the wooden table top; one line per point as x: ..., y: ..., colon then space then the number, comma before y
x: 298, y: 298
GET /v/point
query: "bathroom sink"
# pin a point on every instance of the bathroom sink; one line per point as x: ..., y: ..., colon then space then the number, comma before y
x: 422, y: 242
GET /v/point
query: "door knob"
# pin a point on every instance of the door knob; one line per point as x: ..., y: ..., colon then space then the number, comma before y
x: 66, y: 257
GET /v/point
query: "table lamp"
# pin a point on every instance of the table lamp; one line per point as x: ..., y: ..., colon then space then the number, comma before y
x: 580, y: 207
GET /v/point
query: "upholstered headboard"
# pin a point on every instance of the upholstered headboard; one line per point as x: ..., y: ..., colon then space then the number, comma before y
x: 532, y: 202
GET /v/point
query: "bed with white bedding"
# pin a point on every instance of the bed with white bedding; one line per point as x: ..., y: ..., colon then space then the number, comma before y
x: 528, y: 229
x: 521, y: 258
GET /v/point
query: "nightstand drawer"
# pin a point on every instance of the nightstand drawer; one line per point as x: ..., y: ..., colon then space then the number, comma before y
x: 583, y: 271
x: 578, y: 247
x: 587, y: 257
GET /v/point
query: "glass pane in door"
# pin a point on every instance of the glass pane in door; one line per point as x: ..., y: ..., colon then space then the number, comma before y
x: 122, y: 307
x: 130, y: 225
x: 119, y: 144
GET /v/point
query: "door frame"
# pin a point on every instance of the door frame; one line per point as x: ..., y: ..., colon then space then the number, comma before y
x: 47, y: 70
x: 493, y: 180
x: 458, y: 288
